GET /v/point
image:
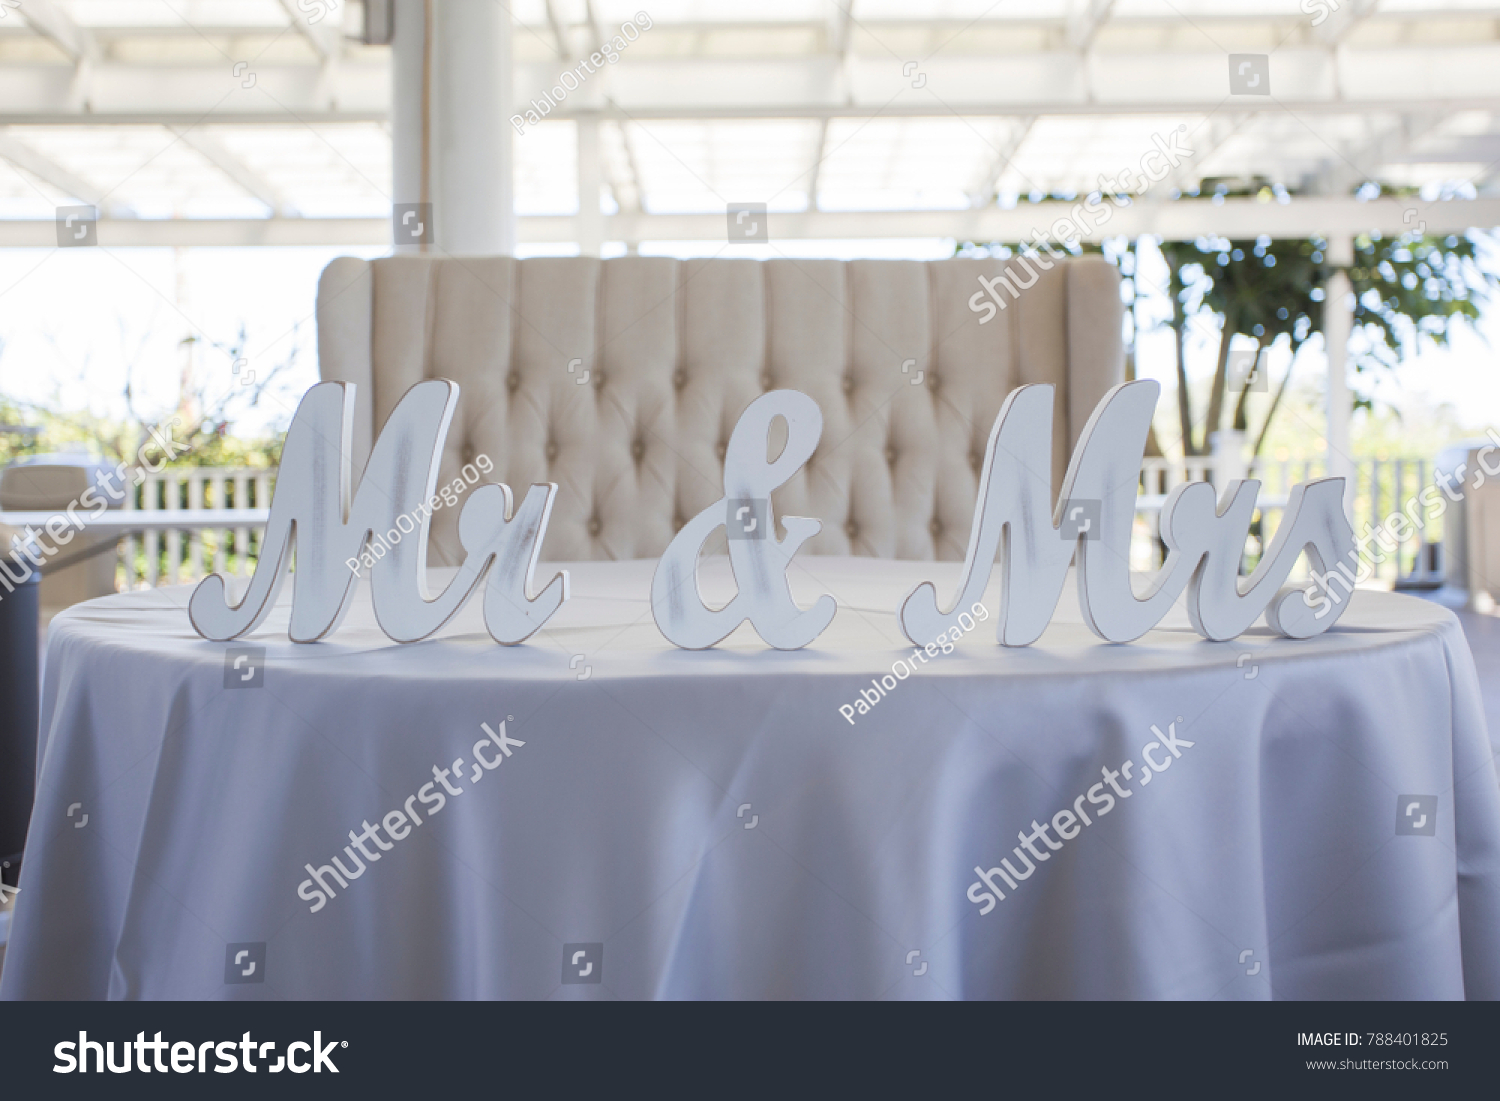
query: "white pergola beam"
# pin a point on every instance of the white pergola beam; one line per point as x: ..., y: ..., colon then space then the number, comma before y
x: 1401, y: 78
x: 814, y: 175
x: 1308, y: 81
x: 840, y: 24
x: 629, y: 200
x: 184, y: 94
x: 985, y: 191
x: 1220, y: 130
x: 324, y: 36
x: 1352, y: 168
x: 210, y: 232
x: 211, y: 149
x: 1182, y: 220
x: 559, y: 32
x: 1338, y: 24
x: 596, y: 32
x: 626, y: 194
x: 54, y: 24
x: 1089, y: 16
x: 53, y: 174
x: 590, y: 186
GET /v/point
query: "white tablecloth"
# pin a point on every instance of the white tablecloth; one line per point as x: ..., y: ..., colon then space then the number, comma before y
x: 1270, y: 859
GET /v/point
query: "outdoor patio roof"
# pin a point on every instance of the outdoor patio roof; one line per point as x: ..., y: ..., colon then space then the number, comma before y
x: 242, y: 121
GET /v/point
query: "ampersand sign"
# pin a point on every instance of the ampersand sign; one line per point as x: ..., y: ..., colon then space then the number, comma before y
x: 759, y: 560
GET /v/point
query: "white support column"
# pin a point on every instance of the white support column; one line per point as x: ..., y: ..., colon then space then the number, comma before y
x: 409, y: 183
x: 590, y: 182
x: 1338, y: 316
x: 450, y: 102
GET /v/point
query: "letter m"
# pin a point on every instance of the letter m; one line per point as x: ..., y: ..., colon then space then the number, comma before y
x: 312, y: 511
x: 1014, y: 516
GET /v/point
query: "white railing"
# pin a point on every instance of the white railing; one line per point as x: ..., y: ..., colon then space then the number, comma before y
x: 170, y: 532
x: 170, y: 555
x: 1381, y: 487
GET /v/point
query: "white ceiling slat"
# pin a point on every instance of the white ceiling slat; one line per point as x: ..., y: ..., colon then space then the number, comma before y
x: 815, y: 173
x: 28, y: 159
x: 213, y: 151
x: 324, y: 36
x: 1084, y: 25
x: 1238, y: 218
x: 1340, y: 22
x: 1406, y: 78
x: 559, y: 32
x: 52, y: 22
x: 994, y: 175
x: 810, y: 105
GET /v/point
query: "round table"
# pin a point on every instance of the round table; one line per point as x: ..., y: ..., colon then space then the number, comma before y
x: 1320, y: 818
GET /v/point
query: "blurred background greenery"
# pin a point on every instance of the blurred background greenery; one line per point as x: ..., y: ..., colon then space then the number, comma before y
x: 203, y: 419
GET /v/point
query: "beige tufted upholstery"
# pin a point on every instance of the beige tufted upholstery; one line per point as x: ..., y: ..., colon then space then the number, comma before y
x: 675, y: 350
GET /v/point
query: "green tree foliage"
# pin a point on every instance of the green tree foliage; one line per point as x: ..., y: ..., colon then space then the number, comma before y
x: 1264, y: 289
x: 205, y: 411
x: 1408, y: 289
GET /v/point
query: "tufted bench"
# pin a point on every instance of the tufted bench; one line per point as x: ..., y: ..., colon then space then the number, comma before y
x: 621, y: 380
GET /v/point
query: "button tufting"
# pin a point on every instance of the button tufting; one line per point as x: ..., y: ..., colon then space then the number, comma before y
x: 975, y: 459
x: 723, y: 449
x: 848, y: 384
x: 638, y: 449
x: 936, y: 527
x: 598, y: 380
x: 932, y: 380
x: 890, y: 455
x: 765, y: 381
x: 551, y: 451
x: 595, y: 527
x: 851, y: 529
x: 513, y: 381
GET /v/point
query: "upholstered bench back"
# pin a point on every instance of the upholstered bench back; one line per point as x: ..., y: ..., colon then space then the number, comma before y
x: 620, y: 380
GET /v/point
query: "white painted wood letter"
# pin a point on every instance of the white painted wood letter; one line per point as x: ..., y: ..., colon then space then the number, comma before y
x: 759, y: 560
x: 312, y: 510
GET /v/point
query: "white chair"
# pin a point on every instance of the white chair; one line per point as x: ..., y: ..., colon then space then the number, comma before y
x: 620, y: 380
x: 1471, y: 525
x: 83, y: 568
